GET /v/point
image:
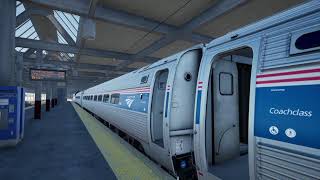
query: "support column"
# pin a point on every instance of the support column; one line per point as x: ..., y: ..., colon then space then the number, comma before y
x: 52, y: 101
x: 7, y: 43
x: 37, y: 102
x: 54, y: 95
x: 48, y: 97
x: 38, y: 91
x: 19, y: 69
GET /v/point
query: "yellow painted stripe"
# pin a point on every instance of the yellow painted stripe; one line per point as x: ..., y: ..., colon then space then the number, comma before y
x: 125, y: 161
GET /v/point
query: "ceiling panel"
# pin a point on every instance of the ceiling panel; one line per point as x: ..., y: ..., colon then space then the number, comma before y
x: 161, y: 10
x: 250, y: 12
x: 172, y: 49
x: 119, y: 38
x: 99, y: 60
x: 137, y: 65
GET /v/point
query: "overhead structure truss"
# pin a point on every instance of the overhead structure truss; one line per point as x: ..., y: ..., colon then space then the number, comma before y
x: 67, y: 17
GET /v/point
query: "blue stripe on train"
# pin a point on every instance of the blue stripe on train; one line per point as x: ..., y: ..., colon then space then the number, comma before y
x: 135, y: 102
x: 198, y: 106
x: 167, y: 103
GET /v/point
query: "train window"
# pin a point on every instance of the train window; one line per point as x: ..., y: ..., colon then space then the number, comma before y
x: 187, y: 76
x: 308, y: 41
x: 225, y: 83
x: 162, y: 85
x: 115, y: 98
x: 95, y: 98
x: 305, y: 40
x: 91, y: 98
x: 106, y: 98
x: 144, y: 79
x: 100, y: 98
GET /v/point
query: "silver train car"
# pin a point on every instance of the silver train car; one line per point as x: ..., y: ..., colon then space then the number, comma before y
x: 155, y: 106
x: 257, y: 112
x: 244, y: 106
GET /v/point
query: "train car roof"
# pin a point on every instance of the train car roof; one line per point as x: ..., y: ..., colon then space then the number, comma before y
x: 268, y: 22
x: 131, y: 75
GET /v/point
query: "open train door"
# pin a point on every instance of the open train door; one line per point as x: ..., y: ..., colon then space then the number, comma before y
x: 283, y: 106
x: 221, y: 121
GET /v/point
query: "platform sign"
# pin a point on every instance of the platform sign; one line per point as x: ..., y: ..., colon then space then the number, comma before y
x: 289, y: 114
x: 47, y: 75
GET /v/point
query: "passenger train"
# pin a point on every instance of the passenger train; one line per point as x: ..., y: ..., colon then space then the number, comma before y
x: 244, y: 106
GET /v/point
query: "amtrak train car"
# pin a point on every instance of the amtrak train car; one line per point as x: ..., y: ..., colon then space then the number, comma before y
x: 155, y: 106
x: 259, y: 118
x: 244, y: 106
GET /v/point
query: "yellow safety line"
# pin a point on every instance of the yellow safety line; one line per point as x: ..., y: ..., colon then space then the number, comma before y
x: 125, y: 161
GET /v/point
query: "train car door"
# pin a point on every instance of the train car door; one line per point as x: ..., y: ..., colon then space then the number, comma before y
x: 224, y: 92
x: 157, y: 107
x: 157, y: 125
x: 222, y: 123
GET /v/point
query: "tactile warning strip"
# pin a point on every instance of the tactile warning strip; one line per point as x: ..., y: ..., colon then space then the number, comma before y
x: 125, y: 161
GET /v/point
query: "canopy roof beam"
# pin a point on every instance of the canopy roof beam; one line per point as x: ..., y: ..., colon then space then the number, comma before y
x: 213, y: 12
x: 82, y: 8
x: 49, y: 46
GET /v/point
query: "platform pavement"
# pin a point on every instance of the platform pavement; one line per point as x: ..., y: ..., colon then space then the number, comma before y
x: 57, y: 147
x: 125, y: 161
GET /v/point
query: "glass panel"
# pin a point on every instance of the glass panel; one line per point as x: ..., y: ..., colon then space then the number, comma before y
x: 19, y: 8
x: 115, y: 98
x: 106, y: 98
x: 26, y: 30
x: 100, y: 98
x: 226, y: 83
x: 144, y: 79
x: 308, y: 41
x: 70, y: 23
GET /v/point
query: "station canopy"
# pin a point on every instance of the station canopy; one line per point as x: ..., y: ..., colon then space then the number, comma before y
x: 97, y: 40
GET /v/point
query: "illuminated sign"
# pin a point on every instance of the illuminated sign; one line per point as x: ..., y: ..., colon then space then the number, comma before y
x: 47, y: 75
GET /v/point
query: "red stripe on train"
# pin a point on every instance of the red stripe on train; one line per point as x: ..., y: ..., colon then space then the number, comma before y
x: 289, y: 80
x: 289, y: 73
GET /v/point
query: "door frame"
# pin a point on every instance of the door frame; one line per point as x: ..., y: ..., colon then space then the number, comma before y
x: 155, y: 148
x: 201, y: 100
x: 156, y: 75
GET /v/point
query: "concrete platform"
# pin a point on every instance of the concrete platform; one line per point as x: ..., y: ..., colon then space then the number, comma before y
x: 56, y: 147
x: 125, y: 161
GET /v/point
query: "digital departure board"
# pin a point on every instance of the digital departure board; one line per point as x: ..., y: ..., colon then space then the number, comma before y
x: 47, y: 75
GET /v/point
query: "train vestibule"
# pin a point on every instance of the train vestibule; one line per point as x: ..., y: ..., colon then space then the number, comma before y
x: 227, y: 114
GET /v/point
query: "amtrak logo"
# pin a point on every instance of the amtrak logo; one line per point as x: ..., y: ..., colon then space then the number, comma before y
x: 129, y: 102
